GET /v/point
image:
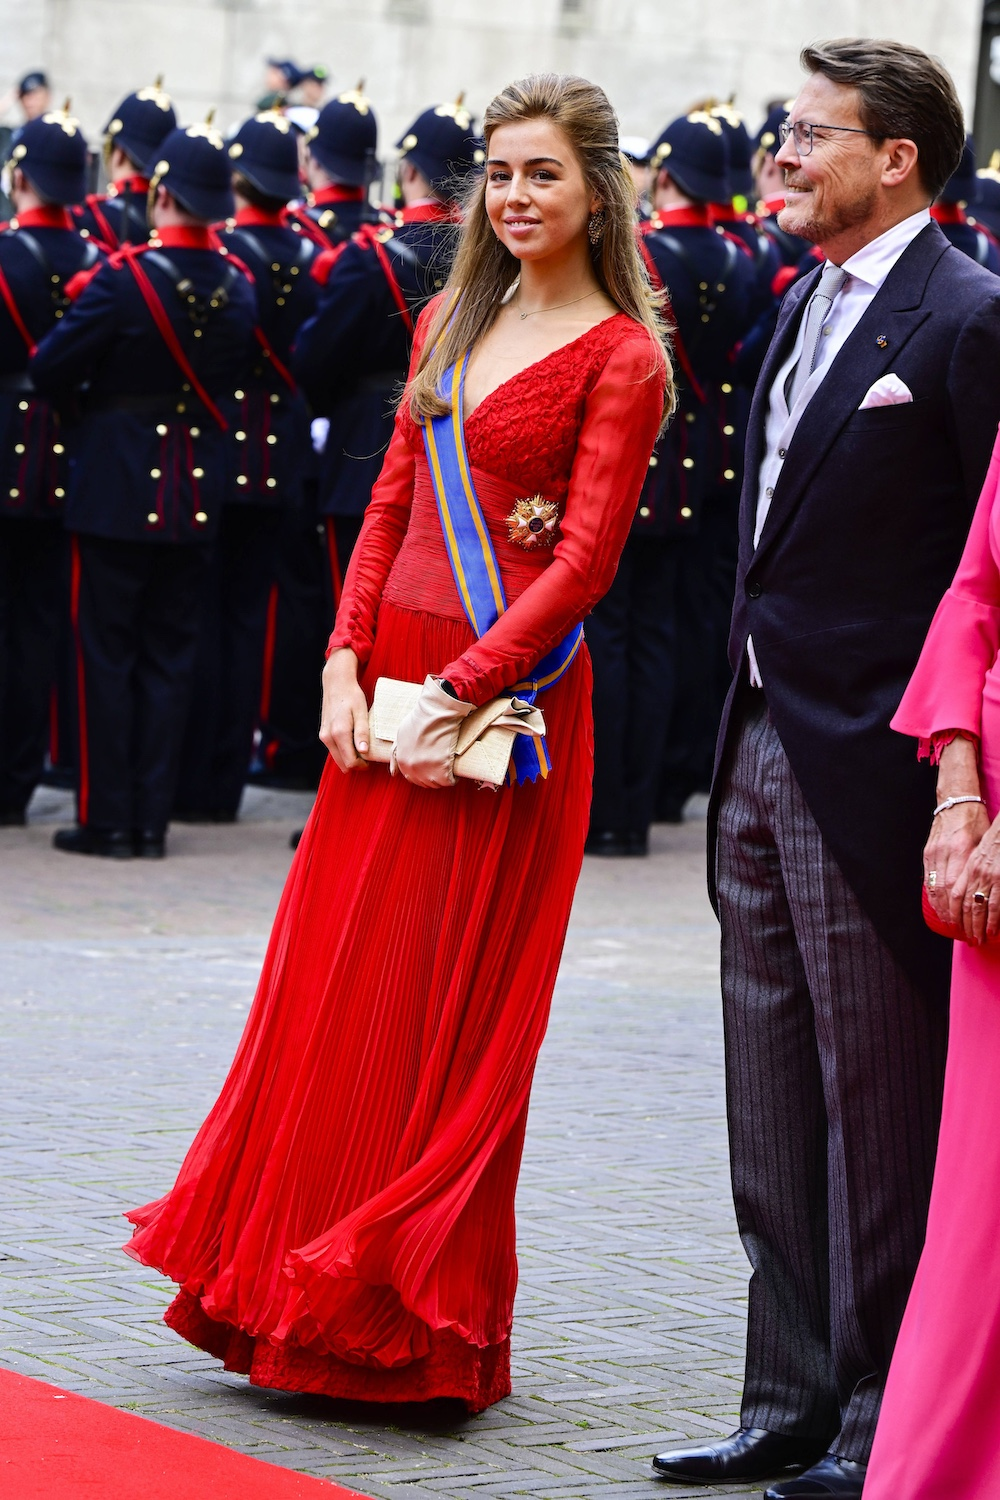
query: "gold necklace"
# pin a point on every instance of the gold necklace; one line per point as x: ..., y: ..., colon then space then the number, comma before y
x: 536, y: 310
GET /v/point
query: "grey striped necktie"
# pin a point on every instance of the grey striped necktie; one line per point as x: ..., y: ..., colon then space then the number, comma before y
x: 820, y: 302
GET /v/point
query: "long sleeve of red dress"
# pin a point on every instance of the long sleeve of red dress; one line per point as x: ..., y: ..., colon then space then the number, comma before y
x: 617, y: 427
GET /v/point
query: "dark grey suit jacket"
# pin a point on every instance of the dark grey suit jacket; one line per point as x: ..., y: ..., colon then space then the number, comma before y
x: 864, y: 533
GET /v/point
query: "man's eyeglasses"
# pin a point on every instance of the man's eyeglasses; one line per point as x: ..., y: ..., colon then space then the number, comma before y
x: 802, y: 131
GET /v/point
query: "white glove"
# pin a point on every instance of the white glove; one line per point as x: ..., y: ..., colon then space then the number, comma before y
x: 424, y: 748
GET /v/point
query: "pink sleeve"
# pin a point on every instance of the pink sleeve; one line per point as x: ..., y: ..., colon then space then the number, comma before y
x: 620, y: 422
x: 946, y: 689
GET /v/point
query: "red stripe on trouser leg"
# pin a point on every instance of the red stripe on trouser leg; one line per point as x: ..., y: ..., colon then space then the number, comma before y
x: 83, y: 787
x: 335, y: 579
x: 270, y: 634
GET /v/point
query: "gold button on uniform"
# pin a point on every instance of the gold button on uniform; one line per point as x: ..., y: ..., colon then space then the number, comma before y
x: 161, y: 429
x: 275, y: 398
x: 238, y: 395
x: 686, y: 512
x: 196, y: 432
x: 152, y: 518
x: 22, y: 406
x: 200, y: 517
x: 689, y: 463
x: 653, y: 460
x: 729, y: 474
x: 241, y: 479
x: 198, y: 473
x: 60, y: 494
x: 154, y: 473
x: 241, y: 437
x: 271, y: 438
x: 14, y: 494
x: 729, y: 431
x: 58, y: 448
x: 644, y: 511
x: 727, y: 390
x: 272, y: 484
x: 18, y: 447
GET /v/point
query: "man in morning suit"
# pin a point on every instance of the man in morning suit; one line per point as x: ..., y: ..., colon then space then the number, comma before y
x: 869, y: 438
x: 268, y: 451
x: 158, y: 336
x: 40, y: 253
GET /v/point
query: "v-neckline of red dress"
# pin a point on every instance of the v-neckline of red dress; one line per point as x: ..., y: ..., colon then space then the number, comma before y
x: 537, y: 363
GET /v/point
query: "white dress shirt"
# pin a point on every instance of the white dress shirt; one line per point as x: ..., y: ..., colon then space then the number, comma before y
x: 866, y: 271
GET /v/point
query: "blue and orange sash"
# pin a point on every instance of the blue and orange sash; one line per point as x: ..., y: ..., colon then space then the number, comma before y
x: 474, y: 563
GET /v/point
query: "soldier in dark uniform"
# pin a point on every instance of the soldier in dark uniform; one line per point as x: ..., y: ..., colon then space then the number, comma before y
x: 132, y: 138
x: 949, y: 208
x: 352, y: 357
x: 987, y: 199
x: 340, y: 164
x: 652, y: 637
x: 341, y: 167
x: 734, y: 215
x: 157, y: 337
x: 268, y: 451
x: 40, y: 253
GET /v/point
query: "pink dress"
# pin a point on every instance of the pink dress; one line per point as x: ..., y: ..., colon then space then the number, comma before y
x: 938, y: 1436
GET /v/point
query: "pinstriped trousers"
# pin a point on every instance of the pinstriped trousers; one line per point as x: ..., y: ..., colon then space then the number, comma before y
x: 835, y: 1066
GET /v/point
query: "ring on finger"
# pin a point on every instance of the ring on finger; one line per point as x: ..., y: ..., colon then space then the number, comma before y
x: 980, y: 898
x: 932, y: 878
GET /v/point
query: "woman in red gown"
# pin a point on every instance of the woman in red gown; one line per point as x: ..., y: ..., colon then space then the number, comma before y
x: 344, y: 1220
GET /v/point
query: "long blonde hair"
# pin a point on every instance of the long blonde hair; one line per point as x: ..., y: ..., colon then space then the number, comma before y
x: 484, y: 269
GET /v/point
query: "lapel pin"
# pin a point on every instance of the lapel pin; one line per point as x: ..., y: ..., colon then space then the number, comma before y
x: 882, y: 341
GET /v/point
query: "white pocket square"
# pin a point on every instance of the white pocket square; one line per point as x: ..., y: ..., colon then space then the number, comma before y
x: 889, y: 391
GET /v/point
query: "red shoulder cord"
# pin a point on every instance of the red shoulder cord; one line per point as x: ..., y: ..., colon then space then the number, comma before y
x: 325, y: 262
x: 15, y: 313
x: 678, y: 342
x: 259, y: 334
x: 368, y: 235
x: 110, y: 238
x: 129, y: 255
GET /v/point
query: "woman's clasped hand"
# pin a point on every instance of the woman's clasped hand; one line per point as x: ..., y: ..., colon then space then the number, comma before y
x: 344, y: 717
x: 962, y: 854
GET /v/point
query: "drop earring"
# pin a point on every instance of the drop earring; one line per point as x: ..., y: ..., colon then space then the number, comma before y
x: 596, y: 226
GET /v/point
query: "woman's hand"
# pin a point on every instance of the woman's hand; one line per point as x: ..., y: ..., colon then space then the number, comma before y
x: 424, y: 748
x: 955, y: 836
x: 956, y: 833
x: 344, y: 719
x: 980, y: 919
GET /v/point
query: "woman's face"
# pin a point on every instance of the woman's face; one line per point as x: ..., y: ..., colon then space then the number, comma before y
x: 537, y: 197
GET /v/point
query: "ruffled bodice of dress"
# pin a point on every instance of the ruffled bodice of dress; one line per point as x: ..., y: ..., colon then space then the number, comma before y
x: 555, y: 430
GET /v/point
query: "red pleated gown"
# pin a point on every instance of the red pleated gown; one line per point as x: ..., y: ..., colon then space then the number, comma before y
x: 344, y: 1220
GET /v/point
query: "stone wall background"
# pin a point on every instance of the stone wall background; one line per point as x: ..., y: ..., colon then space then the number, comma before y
x: 655, y: 57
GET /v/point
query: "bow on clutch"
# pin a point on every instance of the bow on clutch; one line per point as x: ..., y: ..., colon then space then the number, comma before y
x: 435, y: 739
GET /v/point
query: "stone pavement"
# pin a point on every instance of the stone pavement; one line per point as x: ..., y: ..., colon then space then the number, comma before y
x: 123, y: 989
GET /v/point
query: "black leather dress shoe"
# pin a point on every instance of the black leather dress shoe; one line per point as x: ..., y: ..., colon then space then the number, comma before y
x: 830, y: 1479
x: 148, y: 844
x: 750, y: 1453
x: 108, y: 843
x: 608, y: 843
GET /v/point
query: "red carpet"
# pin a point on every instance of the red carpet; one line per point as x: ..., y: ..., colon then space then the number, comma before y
x: 56, y: 1446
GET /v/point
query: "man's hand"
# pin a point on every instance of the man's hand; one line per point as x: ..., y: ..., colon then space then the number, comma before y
x: 344, y: 719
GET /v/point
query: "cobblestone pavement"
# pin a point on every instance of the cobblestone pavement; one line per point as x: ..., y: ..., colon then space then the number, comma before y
x: 123, y: 989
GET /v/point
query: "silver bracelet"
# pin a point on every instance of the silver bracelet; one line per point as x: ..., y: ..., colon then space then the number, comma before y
x: 953, y: 802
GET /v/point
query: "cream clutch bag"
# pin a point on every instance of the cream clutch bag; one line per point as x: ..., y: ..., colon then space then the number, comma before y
x: 485, y: 739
